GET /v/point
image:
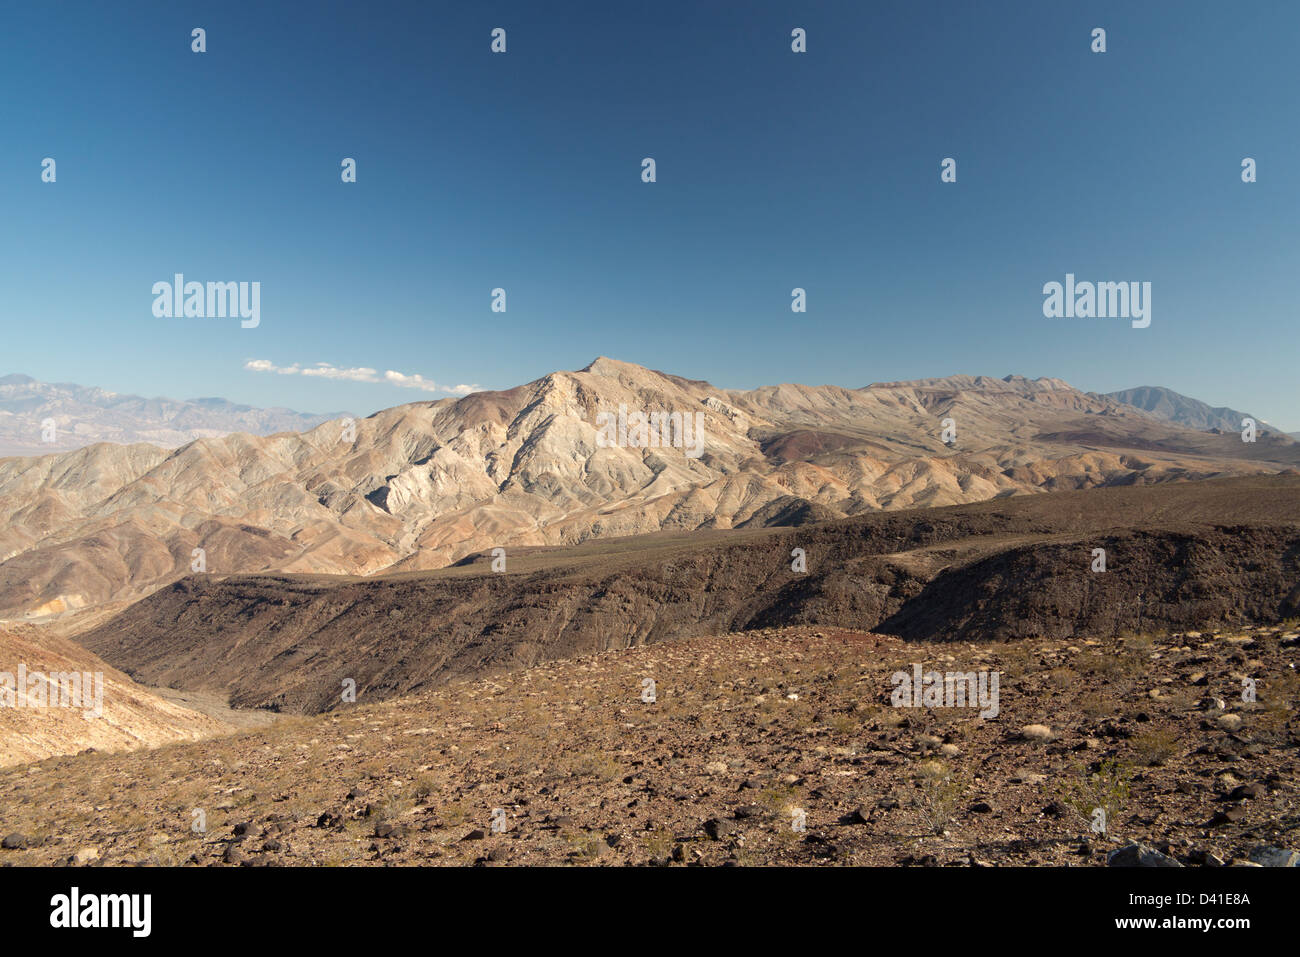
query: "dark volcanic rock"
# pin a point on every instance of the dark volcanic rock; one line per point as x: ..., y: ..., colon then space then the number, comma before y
x: 1139, y: 855
x: 719, y: 829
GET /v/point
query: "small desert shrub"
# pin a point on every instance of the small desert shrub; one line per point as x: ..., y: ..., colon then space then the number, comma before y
x: 595, y: 764
x: 1061, y: 677
x: 423, y: 789
x: 389, y: 810
x: 453, y: 814
x: 938, y: 792
x: 1277, y: 701
x: 1016, y: 661
x: 1101, y: 664
x: 843, y: 723
x: 746, y: 856
x: 659, y: 843
x: 1134, y: 651
x: 1281, y: 691
x: 1095, y: 705
x: 778, y: 800
x: 801, y: 717
x: 1106, y: 788
x: 586, y: 844
x: 1154, y: 747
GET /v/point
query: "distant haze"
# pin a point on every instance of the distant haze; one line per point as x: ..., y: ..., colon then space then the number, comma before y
x: 83, y: 415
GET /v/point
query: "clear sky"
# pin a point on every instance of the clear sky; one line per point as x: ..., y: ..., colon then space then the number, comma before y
x: 775, y: 169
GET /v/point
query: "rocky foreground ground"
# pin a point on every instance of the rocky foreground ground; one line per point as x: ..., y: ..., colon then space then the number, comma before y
x: 768, y: 747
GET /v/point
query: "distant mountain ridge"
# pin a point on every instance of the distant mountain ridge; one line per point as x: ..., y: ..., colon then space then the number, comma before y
x: 423, y: 485
x: 84, y: 415
x: 1175, y: 407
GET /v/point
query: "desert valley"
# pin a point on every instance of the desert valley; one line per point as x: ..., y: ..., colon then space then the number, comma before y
x: 480, y: 630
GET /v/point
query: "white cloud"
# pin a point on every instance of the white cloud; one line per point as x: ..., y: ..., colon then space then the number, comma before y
x: 325, y: 370
x: 417, y: 381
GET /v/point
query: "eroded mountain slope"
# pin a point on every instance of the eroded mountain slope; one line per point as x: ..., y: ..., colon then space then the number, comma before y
x: 114, y: 715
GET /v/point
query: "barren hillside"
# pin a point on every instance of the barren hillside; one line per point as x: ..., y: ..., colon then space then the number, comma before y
x: 129, y: 716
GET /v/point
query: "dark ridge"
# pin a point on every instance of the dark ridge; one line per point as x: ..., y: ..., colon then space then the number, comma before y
x: 1191, y: 555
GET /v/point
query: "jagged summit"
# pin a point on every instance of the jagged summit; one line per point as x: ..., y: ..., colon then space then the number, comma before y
x: 603, y: 365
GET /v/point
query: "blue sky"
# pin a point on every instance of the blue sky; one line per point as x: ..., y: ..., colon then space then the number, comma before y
x: 775, y: 170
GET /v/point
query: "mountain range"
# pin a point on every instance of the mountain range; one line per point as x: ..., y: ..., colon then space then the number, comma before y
x: 84, y: 415
x: 1172, y: 407
x: 424, y: 485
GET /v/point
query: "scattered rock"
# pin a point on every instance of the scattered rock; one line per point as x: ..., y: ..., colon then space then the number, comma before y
x: 85, y: 855
x: 853, y: 773
x: 719, y: 829
x: 1139, y: 855
x: 1026, y: 777
x: 1266, y: 856
x: 1244, y: 791
x: 1228, y: 722
x: 1231, y: 816
x: 233, y: 855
